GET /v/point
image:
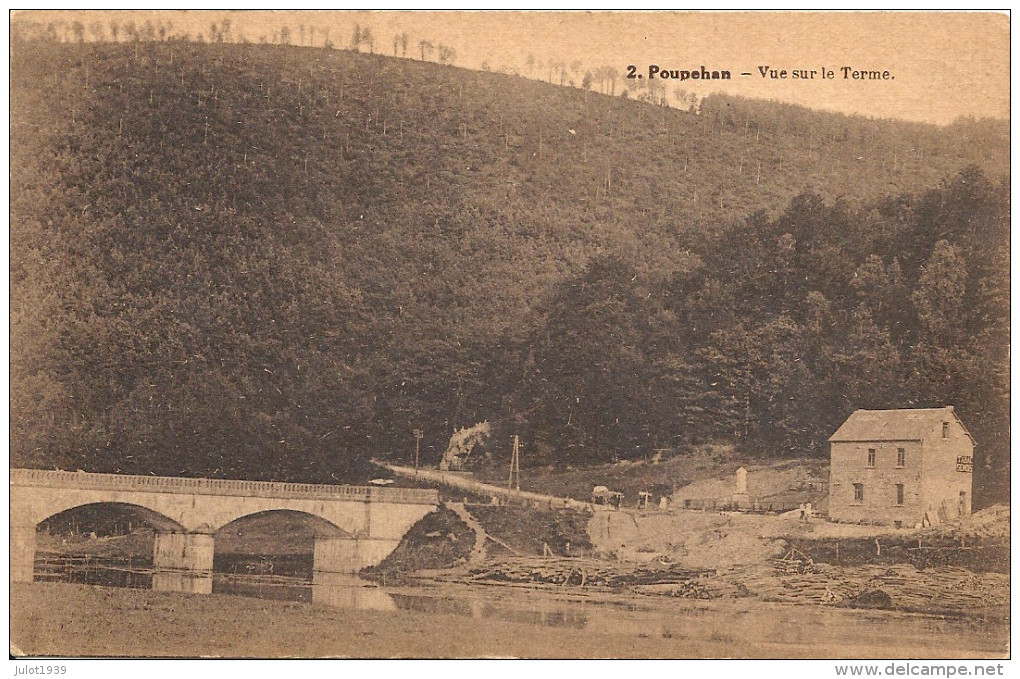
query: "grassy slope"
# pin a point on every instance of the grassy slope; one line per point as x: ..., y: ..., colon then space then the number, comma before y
x: 528, y: 530
x: 430, y: 168
x: 277, y: 205
x: 439, y: 540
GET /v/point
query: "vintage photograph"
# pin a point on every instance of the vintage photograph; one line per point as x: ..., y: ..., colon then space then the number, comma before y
x: 584, y: 335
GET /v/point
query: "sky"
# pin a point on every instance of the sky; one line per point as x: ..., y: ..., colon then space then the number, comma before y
x: 941, y: 65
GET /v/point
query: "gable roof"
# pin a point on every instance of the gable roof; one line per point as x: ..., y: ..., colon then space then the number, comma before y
x: 909, y: 424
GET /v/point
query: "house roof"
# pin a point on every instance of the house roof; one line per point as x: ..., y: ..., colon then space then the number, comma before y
x: 912, y: 424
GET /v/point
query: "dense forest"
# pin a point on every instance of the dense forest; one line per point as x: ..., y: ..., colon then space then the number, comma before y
x: 276, y: 262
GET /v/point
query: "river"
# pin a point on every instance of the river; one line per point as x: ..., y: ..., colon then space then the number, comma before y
x: 727, y: 621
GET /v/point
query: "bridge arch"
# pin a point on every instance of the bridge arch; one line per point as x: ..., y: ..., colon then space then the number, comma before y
x: 315, y: 524
x: 45, y: 506
x: 327, y: 519
x: 274, y: 541
x: 153, y: 518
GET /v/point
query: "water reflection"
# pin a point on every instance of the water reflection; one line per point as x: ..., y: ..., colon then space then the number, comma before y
x: 729, y: 621
x: 341, y: 590
x: 107, y: 571
x: 336, y: 590
x: 175, y: 581
x: 259, y: 588
x: 120, y: 572
x: 546, y: 614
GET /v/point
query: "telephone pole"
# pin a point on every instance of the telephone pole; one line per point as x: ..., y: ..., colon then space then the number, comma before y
x: 418, y: 433
x: 515, y: 465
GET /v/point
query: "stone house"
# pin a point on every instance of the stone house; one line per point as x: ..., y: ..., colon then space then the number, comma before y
x: 901, y: 467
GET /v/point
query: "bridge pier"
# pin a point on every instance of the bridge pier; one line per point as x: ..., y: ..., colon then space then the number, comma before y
x: 183, y: 562
x: 22, y: 553
x: 347, y: 555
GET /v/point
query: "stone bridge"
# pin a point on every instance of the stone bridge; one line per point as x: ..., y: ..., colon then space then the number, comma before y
x: 354, y: 526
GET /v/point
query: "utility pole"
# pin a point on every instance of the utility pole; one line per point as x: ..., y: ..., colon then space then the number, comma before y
x: 418, y: 433
x: 515, y: 466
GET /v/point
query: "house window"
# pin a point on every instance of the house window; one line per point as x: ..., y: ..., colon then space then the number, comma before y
x: 901, y: 457
x: 858, y: 492
x: 871, y: 457
x: 945, y: 430
x: 899, y: 493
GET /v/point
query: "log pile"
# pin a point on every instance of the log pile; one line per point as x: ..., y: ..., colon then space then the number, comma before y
x: 792, y: 579
x: 588, y: 573
x: 943, y: 589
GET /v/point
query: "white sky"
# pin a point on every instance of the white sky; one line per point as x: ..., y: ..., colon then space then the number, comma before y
x: 945, y: 65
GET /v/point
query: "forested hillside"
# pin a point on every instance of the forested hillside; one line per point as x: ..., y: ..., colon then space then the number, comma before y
x: 276, y: 262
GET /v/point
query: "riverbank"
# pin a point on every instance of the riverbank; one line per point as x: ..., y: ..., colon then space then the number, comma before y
x: 459, y: 622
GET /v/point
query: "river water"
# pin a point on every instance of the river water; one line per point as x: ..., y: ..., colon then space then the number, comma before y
x: 798, y: 628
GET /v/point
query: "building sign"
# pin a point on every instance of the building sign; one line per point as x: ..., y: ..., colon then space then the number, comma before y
x: 965, y: 463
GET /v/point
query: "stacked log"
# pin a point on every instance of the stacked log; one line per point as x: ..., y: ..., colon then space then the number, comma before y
x: 584, y: 573
x: 943, y: 590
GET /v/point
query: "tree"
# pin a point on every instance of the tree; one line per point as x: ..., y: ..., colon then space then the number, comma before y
x: 131, y: 30
x: 447, y: 54
x: 866, y: 366
x: 778, y: 398
x: 426, y: 48
x: 592, y: 383
x: 938, y: 295
x: 880, y: 289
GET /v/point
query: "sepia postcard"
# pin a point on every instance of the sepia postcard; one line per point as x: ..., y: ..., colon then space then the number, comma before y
x: 583, y: 335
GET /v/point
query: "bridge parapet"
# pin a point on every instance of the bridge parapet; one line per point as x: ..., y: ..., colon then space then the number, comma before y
x: 235, y: 487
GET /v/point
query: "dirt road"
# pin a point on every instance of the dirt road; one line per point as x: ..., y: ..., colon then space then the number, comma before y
x: 455, y: 480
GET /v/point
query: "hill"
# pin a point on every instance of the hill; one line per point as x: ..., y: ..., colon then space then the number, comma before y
x: 273, y: 262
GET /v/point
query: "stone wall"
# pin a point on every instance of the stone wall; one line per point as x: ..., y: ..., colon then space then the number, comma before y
x: 849, y: 465
x: 934, y: 474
